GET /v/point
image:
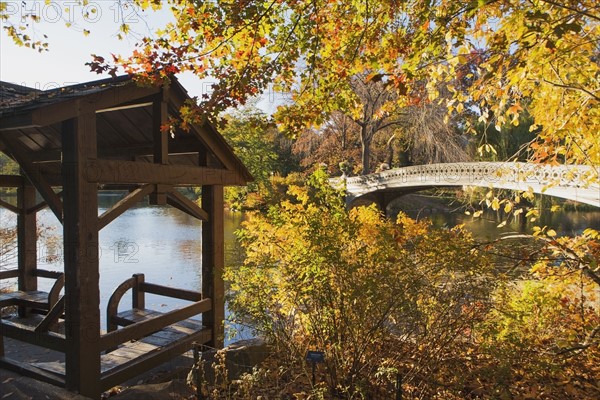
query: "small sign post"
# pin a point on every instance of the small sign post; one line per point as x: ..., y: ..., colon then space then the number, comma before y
x: 315, y: 357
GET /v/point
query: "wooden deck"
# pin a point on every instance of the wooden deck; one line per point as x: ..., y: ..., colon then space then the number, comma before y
x: 128, y: 361
x: 147, y: 338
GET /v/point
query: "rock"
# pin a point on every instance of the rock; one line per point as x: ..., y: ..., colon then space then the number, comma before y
x: 240, y: 357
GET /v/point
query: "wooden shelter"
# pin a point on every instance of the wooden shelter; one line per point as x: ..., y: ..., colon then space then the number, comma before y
x: 71, y: 143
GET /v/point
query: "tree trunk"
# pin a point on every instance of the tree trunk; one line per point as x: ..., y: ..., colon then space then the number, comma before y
x: 365, y: 141
x: 390, y: 150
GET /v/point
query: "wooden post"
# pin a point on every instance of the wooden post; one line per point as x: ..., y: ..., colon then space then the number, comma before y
x: 160, y: 136
x: 160, y: 139
x: 213, y: 260
x: 81, y: 257
x: 27, y: 240
x: 138, y: 297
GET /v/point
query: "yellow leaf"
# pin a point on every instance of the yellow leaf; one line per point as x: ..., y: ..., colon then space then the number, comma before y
x: 495, y: 204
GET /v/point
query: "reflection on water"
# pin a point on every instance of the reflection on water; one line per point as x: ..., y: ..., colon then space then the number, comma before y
x: 570, y: 223
x: 165, y: 243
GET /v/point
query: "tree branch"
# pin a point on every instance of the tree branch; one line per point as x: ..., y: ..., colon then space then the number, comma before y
x: 575, y: 10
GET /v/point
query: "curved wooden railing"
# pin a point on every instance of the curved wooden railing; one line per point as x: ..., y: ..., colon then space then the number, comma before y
x: 136, y: 330
x: 52, y: 296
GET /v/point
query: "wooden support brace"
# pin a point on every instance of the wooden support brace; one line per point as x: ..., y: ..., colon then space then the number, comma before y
x: 123, y: 205
x: 34, y: 175
x: 51, y: 319
x: 41, y: 205
x: 179, y: 201
x: 9, y: 207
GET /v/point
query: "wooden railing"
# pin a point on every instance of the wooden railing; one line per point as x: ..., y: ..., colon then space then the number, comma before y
x: 51, y: 304
x: 53, y: 295
x: 134, y: 330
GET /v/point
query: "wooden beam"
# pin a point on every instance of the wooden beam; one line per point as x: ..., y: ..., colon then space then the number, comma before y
x: 41, y: 205
x: 34, y: 175
x: 160, y: 142
x: 16, y: 121
x: 27, y: 241
x: 111, y: 97
x: 160, y: 136
x: 213, y: 261
x: 123, y: 205
x: 124, y: 107
x: 82, y: 318
x: 31, y: 371
x: 180, y: 145
x: 9, y: 207
x: 116, y: 171
x: 27, y: 334
x: 13, y: 181
x: 179, y: 201
x: 166, y: 291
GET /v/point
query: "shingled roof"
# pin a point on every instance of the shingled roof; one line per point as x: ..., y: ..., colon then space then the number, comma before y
x: 13, y: 96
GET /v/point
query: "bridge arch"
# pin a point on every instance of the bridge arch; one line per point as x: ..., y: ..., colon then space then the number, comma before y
x: 579, y: 183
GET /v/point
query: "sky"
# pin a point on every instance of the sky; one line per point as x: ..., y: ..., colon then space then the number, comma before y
x: 70, y: 49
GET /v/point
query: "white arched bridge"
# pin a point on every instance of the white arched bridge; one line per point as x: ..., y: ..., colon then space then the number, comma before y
x: 579, y: 183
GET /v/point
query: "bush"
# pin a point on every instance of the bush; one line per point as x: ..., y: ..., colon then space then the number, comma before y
x: 369, y: 292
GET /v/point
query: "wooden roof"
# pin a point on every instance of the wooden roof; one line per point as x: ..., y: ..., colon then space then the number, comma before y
x: 31, y: 120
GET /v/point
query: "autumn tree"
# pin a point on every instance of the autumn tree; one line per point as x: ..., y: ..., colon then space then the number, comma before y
x: 374, y: 111
x: 334, y: 143
x: 260, y: 147
x: 543, y: 51
x: 419, y: 133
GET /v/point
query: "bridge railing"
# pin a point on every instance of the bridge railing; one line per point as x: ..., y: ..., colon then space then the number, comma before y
x: 576, y: 182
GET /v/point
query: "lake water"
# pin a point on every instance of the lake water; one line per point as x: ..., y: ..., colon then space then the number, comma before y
x: 564, y: 222
x: 164, y: 243
x: 161, y: 242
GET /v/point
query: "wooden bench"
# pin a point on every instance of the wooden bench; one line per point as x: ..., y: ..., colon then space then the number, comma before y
x: 137, y: 340
x: 49, y: 303
x: 36, y: 300
x: 148, y: 337
x: 136, y: 356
